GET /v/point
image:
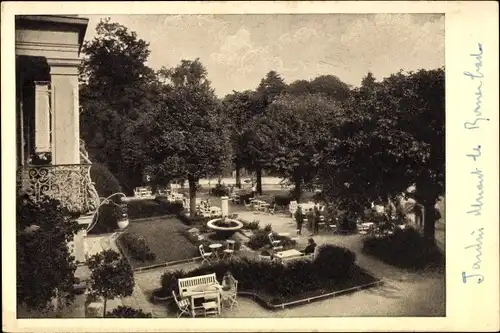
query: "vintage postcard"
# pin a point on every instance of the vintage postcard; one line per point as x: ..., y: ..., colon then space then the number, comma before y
x: 250, y: 166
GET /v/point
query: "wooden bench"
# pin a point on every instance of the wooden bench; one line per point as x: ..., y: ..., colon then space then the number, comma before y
x: 188, y: 286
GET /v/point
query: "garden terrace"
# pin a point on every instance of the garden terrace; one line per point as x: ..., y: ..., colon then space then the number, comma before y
x: 333, y: 270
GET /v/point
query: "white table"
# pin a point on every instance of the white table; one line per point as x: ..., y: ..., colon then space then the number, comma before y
x: 215, y: 248
x: 289, y: 254
x: 211, y: 292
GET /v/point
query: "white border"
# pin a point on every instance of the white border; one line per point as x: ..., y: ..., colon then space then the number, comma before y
x: 469, y: 307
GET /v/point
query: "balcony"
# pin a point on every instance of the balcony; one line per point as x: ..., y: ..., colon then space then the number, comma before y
x: 69, y: 183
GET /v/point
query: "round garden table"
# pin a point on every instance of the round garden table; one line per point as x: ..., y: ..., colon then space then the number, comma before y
x: 215, y: 247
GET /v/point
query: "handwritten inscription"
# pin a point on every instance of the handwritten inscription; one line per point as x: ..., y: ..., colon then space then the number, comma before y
x: 476, y: 266
x: 477, y: 76
x: 474, y: 273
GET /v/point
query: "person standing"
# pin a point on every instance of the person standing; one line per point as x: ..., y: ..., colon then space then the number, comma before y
x: 299, y: 219
x: 310, y: 219
x: 317, y: 215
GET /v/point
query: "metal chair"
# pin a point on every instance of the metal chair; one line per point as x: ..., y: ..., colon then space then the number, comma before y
x: 183, y: 305
x: 230, y: 295
x: 229, y: 250
x: 206, y: 256
x: 274, y: 242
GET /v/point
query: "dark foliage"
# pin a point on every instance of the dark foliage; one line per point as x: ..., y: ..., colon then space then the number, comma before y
x: 333, y: 261
x: 254, y: 225
x: 283, y: 199
x: 150, y: 208
x: 220, y: 190
x: 127, y: 312
x: 104, y: 181
x: 111, y: 276
x: 137, y: 247
x: 276, y: 279
x: 43, y: 260
x: 405, y: 249
x: 108, y: 217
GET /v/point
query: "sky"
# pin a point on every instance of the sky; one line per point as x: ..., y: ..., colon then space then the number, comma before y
x: 238, y: 50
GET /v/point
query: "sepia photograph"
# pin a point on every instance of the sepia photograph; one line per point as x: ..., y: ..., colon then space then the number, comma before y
x: 204, y: 166
x: 230, y: 165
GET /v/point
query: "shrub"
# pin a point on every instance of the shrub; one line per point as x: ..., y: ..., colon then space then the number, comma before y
x: 127, y: 312
x: 347, y: 223
x: 405, y: 249
x: 154, y: 207
x: 258, y: 240
x: 283, y: 199
x: 333, y: 261
x: 268, y: 228
x: 137, y: 247
x: 220, y: 190
x: 108, y: 216
x: 169, y: 281
x: 192, y: 220
x: 254, y: 225
x: 319, y: 196
x: 104, y: 180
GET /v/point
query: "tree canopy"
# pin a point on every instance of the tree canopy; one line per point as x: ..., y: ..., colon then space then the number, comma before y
x: 189, y: 139
x: 117, y: 88
x: 383, y: 147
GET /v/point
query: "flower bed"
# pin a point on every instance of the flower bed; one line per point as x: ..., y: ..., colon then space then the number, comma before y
x: 405, y: 249
x: 332, y: 270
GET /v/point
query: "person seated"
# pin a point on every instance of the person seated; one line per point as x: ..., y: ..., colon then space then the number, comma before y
x: 228, y: 281
x: 310, y: 248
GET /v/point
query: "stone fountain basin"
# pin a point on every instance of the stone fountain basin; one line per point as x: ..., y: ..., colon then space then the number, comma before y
x: 222, y: 232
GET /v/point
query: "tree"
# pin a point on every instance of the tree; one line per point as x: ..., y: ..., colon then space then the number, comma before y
x: 111, y: 276
x: 238, y: 110
x: 188, y: 137
x: 331, y: 87
x: 297, y: 130
x: 392, y: 138
x: 116, y: 89
x: 45, y: 267
x: 269, y: 89
x: 368, y: 83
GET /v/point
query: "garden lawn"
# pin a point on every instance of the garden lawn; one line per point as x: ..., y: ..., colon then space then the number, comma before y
x: 164, y: 239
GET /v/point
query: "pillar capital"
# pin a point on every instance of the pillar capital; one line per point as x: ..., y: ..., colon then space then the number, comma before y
x: 63, y: 66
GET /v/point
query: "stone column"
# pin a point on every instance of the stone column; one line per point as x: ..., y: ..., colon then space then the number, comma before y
x: 42, y: 117
x: 224, y: 206
x: 65, y: 111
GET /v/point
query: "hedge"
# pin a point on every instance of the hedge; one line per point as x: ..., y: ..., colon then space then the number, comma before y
x: 406, y: 248
x: 152, y: 207
x: 104, y: 180
x: 127, y: 312
x: 333, y: 267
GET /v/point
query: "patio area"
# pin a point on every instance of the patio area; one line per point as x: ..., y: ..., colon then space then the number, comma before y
x: 404, y: 292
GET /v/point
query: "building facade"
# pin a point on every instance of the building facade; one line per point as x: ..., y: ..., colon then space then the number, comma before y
x: 49, y: 159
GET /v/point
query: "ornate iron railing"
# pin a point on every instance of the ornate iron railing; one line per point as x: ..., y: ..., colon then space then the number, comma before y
x: 69, y: 183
